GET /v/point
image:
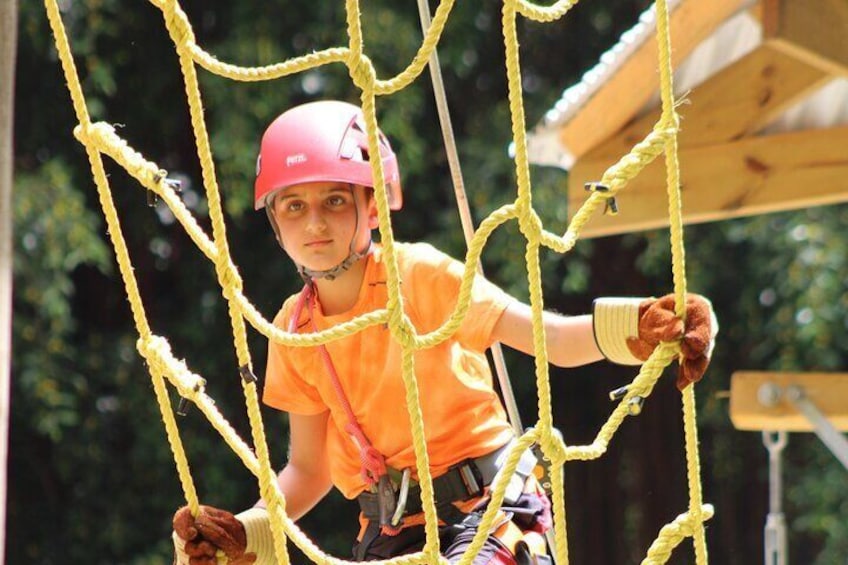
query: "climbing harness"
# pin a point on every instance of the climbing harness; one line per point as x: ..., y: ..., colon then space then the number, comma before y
x: 465, y: 480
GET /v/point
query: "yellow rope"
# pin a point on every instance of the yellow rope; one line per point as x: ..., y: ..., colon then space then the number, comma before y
x: 669, y: 117
x: 672, y: 534
x: 100, y: 139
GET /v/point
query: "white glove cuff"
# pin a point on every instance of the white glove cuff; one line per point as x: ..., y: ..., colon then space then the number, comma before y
x: 614, y: 320
x: 260, y: 539
x: 180, y: 557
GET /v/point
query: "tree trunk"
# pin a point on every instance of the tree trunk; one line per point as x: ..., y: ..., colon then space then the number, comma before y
x: 8, y: 44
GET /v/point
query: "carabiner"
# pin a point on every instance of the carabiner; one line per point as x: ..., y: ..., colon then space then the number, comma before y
x: 401, y: 500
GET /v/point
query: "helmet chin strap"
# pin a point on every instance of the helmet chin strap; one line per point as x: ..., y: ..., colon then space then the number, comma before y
x: 309, y: 275
x: 330, y: 274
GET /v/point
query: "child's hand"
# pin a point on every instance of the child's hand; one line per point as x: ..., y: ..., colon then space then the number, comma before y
x: 658, y: 322
x: 198, y: 539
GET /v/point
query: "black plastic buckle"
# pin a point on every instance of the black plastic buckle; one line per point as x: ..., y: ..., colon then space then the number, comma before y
x: 542, y: 470
x: 182, y: 407
x: 634, y: 405
x: 247, y: 375
x: 618, y: 393
x: 173, y: 184
x: 611, y: 206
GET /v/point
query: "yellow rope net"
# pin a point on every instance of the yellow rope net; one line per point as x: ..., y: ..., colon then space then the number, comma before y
x: 100, y: 139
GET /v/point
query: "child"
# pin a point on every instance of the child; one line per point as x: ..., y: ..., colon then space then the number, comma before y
x: 346, y: 399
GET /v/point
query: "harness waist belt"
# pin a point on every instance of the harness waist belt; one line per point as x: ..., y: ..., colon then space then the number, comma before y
x: 463, y: 481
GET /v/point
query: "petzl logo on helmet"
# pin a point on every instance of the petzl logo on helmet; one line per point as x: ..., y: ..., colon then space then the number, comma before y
x: 296, y: 159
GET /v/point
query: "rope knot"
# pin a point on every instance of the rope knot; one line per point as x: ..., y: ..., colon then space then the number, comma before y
x: 404, y: 334
x: 531, y: 224
x: 154, y: 349
x: 554, y: 447
x: 231, y: 281
x: 81, y: 132
x: 91, y: 133
x: 178, y: 25
x: 362, y: 71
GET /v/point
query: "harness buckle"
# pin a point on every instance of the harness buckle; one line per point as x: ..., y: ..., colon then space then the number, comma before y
x: 472, y: 486
x: 386, y: 500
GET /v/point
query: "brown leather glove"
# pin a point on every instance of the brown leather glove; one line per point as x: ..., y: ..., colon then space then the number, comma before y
x: 211, y: 530
x: 658, y: 322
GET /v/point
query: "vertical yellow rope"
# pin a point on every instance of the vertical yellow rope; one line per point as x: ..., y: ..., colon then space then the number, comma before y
x: 670, y: 119
x: 363, y: 75
x: 530, y: 226
x: 181, y: 33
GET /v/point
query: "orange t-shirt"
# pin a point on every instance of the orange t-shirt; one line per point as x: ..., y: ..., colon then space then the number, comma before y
x: 463, y: 416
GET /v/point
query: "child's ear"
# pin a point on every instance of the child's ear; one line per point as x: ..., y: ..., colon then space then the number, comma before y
x: 373, y: 220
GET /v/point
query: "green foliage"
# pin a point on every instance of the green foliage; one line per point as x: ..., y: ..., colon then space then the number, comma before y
x: 55, y: 234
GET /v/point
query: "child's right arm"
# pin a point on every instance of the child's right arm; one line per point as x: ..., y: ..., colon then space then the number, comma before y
x: 247, y: 536
x: 305, y: 479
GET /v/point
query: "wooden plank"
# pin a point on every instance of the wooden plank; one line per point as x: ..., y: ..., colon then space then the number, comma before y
x: 630, y: 88
x: 828, y: 391
x: 815, y: 26
x: 735, y: 102
x: 741, y: 178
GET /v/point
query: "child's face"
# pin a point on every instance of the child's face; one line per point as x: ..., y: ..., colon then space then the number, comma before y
x: 318, y: 222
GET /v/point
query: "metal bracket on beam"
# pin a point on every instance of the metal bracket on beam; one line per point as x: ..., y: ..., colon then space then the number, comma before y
x: 828, y: 434
x: 775, y: 528
x: 771, y: 394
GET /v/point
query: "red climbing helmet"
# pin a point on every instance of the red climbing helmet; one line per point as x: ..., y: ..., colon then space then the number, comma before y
x: 321, y: 141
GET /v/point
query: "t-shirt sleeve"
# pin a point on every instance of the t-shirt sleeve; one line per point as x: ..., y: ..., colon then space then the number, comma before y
x: 436, y: 285
x: 285, y: 388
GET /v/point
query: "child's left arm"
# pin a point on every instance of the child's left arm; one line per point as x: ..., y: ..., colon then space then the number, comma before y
x: 623, y: 330
x: 570, y: 339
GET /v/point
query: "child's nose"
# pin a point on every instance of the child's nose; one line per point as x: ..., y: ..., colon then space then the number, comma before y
x: 317, y: 222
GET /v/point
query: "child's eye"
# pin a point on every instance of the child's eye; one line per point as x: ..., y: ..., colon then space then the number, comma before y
x: 294, y: 206
x: 336, y: 200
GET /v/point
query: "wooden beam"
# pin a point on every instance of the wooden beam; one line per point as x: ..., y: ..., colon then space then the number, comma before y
x: 625, y: 93
x: 735, y: 102
x: 748, y: 411
x: 728, y: 180
x: 811, y: 28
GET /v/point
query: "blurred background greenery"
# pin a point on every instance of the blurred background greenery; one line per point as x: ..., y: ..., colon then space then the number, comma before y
x: 91, y: 477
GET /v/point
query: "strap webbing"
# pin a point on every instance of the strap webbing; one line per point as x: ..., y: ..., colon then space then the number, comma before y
x: 373, y: 464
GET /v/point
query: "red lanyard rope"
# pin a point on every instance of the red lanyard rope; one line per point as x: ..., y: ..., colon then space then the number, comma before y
x: 373, y: 464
